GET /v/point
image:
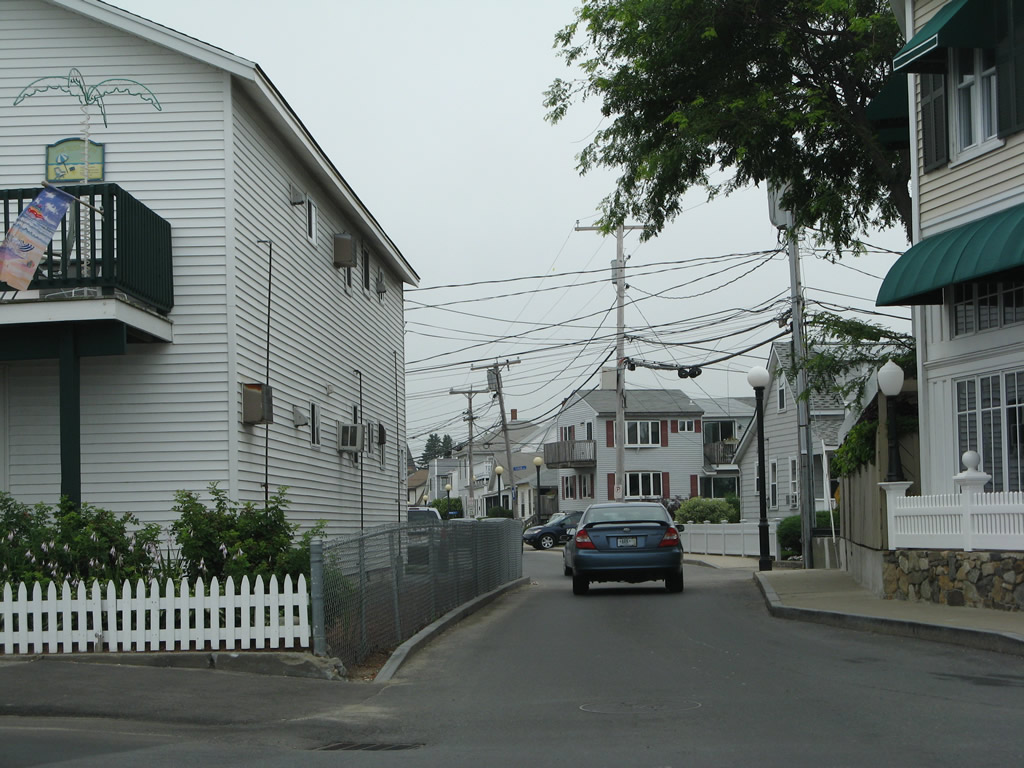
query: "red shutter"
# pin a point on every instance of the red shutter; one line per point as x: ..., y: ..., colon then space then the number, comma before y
x: 610, y: 434
x: 675, y: 426
x: 665, y: 491
x: 572, y: 432
x: 696, y: 425
x: 611, y: 486
x: 694, y: 486
x: 664, y: 434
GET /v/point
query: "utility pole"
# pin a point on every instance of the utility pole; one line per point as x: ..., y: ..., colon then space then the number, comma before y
x: 619, y: 279
x: 494, y: 383
x: 804, y: 440
x: 469, y: 396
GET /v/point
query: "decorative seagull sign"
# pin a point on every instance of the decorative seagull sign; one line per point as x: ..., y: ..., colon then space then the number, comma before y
x: 73, y: 84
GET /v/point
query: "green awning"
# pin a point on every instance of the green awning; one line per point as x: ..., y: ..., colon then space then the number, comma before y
x: 969, y: 252
x: 889, y: 113
x: 959, y: 24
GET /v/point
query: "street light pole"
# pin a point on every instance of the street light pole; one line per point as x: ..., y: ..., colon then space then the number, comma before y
x: 448, y: 499
x: 498, y: 470
x: 758, y: 378
x: 890, y: 381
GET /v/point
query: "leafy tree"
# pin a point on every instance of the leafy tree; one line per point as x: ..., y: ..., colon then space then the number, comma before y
x: 845, y: 353
x: 436, y: 448
x: 767, y: 91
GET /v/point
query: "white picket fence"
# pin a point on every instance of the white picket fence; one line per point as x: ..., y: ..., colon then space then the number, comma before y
x: 258, y: 615
x: 966, y: 521
x: 739, y: 539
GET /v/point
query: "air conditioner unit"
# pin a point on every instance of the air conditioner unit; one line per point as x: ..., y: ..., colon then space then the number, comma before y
x: 344, y: 250
x: 350, y: 438
x: 257, y: 403
x: 793, y: 499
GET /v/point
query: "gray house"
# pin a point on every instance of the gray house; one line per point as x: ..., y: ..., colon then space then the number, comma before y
x: 782, y: 446
x: 664, y: 447
x: 725, y: 421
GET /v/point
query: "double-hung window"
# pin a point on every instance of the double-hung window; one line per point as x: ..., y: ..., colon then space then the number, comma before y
x: 975, y: 97
x: 643, y: 485
x: 990, y: 420
x: 643, y: 433
x: 773, y: 484
x: 314, y: 424
x: 984, y: 305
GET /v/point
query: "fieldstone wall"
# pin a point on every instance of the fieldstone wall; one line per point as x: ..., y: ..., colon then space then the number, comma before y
x: 954, y: 577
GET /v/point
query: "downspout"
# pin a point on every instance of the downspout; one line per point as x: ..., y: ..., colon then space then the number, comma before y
x: 266, y: 377
x: 361, y: 462
x: 399, y: 469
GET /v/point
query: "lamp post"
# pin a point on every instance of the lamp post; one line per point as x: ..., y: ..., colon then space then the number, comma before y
x: 890, y: 382
x: 537, y: 461
x: 425, y: 497
x: 498, y: 470
x: 758, y: 378
x: 448, y: 499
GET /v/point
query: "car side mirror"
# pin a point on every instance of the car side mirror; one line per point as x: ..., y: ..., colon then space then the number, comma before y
x: 571, y: 532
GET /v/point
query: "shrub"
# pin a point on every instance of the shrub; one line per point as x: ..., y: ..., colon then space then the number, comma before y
x: 448, y: 508
x: 790, y: 534
x: 236, y: 540
x: 700, y: 509
x: 733, y: 501
x: 499, y: 512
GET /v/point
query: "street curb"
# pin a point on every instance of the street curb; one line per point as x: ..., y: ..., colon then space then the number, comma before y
x: 425, y: 635
x: 277, y: 663
x: 978, y: 639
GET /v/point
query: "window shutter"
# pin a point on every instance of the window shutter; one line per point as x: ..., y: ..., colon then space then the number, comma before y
x: 933, y: 121
x: 611, y: 486
x: 675, y: 426
x: 610, y: 433
x: 664, y: 433
x: 665, y: 491
x: 694, y: 486
x: 1009, y: 25
x: 696, y: 425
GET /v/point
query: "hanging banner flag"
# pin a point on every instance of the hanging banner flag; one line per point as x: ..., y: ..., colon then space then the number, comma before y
x: 26, y: 242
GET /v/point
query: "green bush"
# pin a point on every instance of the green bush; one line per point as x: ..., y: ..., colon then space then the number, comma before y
x: 448, y: 508
x: 499, y: 512
x: 734, y: 501
x: 790, y: 534
x: 234, y: 539
x: 699, y: 509
x: 75, y: 543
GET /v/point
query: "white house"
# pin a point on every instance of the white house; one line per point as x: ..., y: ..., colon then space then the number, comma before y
x: 664, y: 455
x: 725, y: 421
x: 782, y: 443
x: 231, y: 255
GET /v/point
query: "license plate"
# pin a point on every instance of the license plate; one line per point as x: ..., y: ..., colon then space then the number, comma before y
x: 627, y: 541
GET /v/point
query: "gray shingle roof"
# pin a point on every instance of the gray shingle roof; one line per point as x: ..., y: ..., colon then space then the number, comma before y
x: 819, y: 401
x: 662, y: 402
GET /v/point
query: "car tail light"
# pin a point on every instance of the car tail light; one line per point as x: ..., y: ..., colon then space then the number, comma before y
x: 671, y: 538
x: 583, y: 540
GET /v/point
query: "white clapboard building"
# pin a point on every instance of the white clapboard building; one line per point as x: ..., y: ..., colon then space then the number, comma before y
x: 233, y: 278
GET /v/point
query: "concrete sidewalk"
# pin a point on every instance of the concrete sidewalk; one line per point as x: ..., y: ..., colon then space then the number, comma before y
x: 833, y: 597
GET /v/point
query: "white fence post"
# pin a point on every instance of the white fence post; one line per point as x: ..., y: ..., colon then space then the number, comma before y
x: 971, y: 483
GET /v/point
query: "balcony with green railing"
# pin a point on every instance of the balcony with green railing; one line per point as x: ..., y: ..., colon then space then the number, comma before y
x: 125, y: 251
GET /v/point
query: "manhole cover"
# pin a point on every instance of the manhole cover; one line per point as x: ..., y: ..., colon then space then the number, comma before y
x: 352, y: 746
x: 634, y: 708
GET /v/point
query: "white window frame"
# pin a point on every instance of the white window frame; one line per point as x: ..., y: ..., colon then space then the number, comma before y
x: 314, y: 424
x: 635, y: 437
x: 773, y: 483
x: 687, y: 425
x: 311, y: 219
x: 780, y: 394
x: 794, y: 476
x: 973, y: 105
x: 968, y: 301
x: 652, y: 477
x: 586, y: 486
x: 988, y: 412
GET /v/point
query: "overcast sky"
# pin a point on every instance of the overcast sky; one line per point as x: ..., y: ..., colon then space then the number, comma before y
x: 433, y: 113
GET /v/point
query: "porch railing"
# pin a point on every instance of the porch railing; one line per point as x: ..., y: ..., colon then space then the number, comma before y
x: 127, y: 249
x: 570, y: 453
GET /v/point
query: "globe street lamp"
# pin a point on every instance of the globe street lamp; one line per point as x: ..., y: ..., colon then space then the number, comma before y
x: 537, y: 461
x: 890, y: 382
x: 758, y: 378
x: 498, y: 470
x: 448, y: 499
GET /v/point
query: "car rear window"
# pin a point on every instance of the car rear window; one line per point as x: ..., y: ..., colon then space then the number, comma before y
x: 422, y: 516
x: 627, y: 514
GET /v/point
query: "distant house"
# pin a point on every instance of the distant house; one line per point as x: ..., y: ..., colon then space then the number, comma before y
x: 782, y: 446
x: 236, y: 315
x: 725, y: 421
x: 664, y: 456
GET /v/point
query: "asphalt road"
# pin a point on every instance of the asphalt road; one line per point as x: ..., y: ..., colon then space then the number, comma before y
x: 625, y: 676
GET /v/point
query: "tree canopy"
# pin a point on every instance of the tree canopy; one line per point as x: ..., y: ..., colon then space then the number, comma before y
x: 436, y: 448
x: 750, y: 90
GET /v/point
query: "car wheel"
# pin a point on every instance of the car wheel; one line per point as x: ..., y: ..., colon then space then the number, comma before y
x: 674, y: 583
x: 567, y: 570
x: 547, y: 541
x: 580, y: 585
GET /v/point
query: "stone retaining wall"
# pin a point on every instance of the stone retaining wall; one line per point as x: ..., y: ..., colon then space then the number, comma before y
x: 954, y: 577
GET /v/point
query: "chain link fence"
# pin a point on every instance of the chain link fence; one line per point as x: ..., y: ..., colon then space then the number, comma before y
x: 384, y: 585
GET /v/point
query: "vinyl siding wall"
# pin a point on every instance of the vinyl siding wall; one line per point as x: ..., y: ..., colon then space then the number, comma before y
x: 154, y: 420
x: 322, y: 332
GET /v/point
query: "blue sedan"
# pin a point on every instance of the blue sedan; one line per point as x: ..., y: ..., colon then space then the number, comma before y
x: 631, y: 542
